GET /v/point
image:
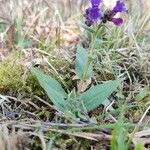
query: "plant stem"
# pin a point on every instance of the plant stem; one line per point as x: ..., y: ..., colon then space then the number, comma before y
x: 90, y: 58
x: 88, y: 63
x: 95, y: 36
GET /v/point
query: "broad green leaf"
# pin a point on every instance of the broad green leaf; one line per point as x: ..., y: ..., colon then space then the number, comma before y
x: 96, y: 95
x: 83, y: 67
x: 142, y: 94
x: 53, y: 89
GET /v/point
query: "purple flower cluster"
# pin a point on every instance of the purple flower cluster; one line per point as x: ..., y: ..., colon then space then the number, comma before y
x: 120, y: 7
x: 93, y: 13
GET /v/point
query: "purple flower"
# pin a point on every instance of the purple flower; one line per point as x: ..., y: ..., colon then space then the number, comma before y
x: 109, y: 15
x: 93, y: 14
x: 117, y: 21
x: 95, y: 3
x: 120, y: 7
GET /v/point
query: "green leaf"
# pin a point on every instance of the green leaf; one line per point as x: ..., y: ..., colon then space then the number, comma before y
x: 88, y: 29
x: 53, y: 89
x: 122, y: 137
x: 83, y: 66
x: 72, y: 103
x: 96, y: 95
x: 139, y: 146
x: 119, y: 133
x: 142, y: 94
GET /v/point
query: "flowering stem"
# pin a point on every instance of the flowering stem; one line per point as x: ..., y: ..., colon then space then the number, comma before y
x: 95, y: 36
x: 90, y: 58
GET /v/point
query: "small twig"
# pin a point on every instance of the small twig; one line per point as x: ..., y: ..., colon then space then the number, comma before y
x: 64, y: 125
x: 90, y: 136
x: 46, y: 103
x: 110, y: 115
x: 139, y: 123
x: 131, y: 136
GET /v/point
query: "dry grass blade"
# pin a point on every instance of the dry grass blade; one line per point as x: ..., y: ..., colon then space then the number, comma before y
x: 13, y: 141
x: 90, y: 136
x: 45, y: 34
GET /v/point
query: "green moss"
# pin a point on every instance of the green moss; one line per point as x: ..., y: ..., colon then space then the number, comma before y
x: 33, y: 86
x: 10, y: 75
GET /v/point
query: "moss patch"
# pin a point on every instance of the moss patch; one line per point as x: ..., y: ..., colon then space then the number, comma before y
x: 10, y: 75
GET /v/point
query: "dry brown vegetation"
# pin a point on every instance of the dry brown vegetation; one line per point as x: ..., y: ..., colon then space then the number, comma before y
x: 45, y: 33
